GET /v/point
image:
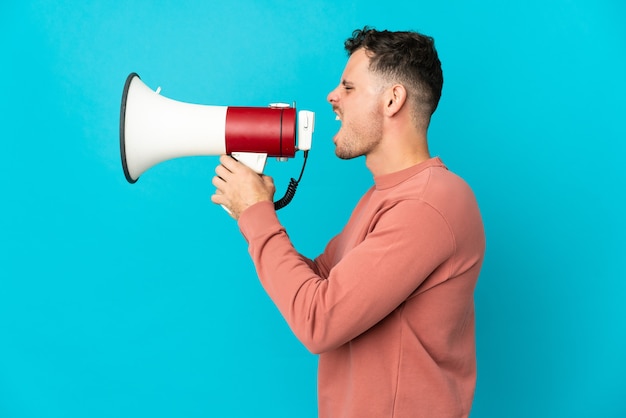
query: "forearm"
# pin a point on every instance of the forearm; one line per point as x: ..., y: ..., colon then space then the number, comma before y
x: 290, y: 279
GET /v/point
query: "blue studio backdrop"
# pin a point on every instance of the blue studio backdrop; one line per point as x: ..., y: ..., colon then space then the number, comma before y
x: 120, y: 300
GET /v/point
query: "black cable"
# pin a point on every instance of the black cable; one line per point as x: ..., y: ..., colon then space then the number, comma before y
x: 291, y: 188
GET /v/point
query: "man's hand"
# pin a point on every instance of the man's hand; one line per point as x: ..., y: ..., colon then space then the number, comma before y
x: 238, y: 187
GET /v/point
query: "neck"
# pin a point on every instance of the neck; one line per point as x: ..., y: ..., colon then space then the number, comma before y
x: 397, y: 153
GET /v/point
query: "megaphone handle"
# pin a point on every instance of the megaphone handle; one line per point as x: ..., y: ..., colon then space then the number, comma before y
x: 254, y: 160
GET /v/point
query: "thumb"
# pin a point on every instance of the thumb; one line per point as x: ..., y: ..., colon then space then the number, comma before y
x: 269, y: 183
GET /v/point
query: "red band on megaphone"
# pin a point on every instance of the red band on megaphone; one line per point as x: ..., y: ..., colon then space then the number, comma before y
x: 264, y: 130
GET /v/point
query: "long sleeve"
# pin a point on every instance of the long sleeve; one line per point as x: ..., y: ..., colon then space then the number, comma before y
x: 368, y: 279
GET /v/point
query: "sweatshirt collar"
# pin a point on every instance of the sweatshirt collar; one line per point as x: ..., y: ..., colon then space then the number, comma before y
x: 393, y: 179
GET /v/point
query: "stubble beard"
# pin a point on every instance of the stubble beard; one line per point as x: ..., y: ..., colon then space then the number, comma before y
x: 356, y: 141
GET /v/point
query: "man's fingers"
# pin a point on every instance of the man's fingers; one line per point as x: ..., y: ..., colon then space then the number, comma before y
x: 238, y: 187
x: 222, y: 172
x: 218, y: 197
x: 218, y: 179
x: 269, y: 181
x: 229, y: 163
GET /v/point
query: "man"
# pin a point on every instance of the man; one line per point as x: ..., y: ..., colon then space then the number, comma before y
x: 389, y: 304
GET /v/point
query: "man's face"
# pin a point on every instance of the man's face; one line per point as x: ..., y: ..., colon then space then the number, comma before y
x: 357, y: 101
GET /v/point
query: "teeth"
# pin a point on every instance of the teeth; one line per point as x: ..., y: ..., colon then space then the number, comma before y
x: 337, y: 117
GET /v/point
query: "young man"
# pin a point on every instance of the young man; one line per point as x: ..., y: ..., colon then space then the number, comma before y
x: 389, y: 304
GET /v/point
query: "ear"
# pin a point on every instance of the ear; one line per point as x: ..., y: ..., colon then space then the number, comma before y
x: 395, y: 99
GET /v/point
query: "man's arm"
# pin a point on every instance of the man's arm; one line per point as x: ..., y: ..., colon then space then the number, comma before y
x: 407, y: 244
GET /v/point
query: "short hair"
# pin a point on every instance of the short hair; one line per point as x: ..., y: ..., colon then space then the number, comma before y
x: 408, y: 57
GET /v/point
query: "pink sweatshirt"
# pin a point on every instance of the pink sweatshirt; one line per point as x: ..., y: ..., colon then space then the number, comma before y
x: 389, y: 304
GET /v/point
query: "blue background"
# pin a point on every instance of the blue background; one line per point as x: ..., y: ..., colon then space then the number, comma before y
x: 140, y: 300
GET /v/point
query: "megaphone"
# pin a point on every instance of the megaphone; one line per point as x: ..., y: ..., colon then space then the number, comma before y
x: 154, y: 128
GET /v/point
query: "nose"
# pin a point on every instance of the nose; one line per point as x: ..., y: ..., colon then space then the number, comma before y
x: 333, y: 97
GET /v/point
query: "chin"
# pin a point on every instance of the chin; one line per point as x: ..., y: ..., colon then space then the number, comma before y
x: 344, y: 155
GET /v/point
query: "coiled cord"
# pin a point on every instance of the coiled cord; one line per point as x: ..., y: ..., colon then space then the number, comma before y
x: 291, y: 188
